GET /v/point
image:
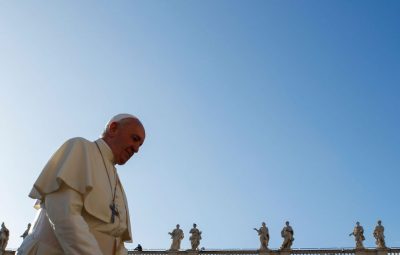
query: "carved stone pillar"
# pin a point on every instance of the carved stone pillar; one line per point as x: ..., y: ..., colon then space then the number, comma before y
x: 192, y: 252
x: 284, y: 252
x: 172, y: 252
x: 381, y: 251
x: 361, y: 252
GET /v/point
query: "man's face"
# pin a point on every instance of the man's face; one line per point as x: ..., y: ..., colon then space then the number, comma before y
x: 126, y: 139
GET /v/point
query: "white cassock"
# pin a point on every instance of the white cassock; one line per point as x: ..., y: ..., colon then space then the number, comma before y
x: 76, y: 189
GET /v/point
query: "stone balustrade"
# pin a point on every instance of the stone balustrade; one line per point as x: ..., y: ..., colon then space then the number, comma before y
x: 287, y: 234
x: 336, y: 251
x: 347, y: 251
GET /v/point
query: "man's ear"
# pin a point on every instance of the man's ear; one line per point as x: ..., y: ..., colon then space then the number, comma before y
x: 113, y: 129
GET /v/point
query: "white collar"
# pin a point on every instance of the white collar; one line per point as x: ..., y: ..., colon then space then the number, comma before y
x: 106, y: 150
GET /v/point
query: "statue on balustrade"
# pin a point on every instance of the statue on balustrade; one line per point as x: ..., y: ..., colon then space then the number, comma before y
x: 26, y: 231
x: 379, y: 236
x: 358, y: 233
x: 287, y: 234
x: 195, y: 237
x: 176, y: 236
x: 263, y: 233
x: 4, y: 235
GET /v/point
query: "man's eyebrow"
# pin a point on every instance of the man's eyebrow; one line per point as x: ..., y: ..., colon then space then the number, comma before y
x: 137, y: 136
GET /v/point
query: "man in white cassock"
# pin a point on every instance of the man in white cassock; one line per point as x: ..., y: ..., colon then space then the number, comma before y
x: 82, y: 205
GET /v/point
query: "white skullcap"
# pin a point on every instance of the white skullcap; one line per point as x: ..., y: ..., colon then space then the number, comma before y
x: 119, y: 117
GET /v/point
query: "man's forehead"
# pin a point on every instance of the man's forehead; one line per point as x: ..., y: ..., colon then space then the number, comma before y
x: 121, y: 116
x: 136, y: 127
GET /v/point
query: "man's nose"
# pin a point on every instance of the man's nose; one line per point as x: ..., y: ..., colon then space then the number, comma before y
x: 135, y: 148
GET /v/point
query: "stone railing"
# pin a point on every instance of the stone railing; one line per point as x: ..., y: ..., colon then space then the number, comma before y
x: 347, y: 251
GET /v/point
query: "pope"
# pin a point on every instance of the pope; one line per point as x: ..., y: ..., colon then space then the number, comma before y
x: 82, y: 205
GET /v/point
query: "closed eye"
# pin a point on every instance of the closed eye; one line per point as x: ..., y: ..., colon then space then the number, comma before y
x: 136, y: 138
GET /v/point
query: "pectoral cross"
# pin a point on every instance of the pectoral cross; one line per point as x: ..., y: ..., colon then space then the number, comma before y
x: 114, y: 212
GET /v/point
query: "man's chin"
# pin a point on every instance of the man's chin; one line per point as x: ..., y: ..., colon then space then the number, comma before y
x: 121, y: 162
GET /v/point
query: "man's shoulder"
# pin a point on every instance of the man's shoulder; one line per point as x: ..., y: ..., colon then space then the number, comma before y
x: 78, y: 141
x: 76, y: 144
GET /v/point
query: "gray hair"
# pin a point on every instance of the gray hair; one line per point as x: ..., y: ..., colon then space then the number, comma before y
x: 121, y: 119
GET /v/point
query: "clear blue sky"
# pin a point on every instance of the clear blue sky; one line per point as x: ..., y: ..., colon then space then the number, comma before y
x: 254, y: 111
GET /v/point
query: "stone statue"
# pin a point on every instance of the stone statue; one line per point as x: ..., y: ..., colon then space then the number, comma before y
x: 358, y: 233
x: 379, y: 236
x: 4, y: 235
x: 26, y: 231
x: 264, y: 236
x: 287, y: 234
x: 176, y: 236
x: 195, y: 237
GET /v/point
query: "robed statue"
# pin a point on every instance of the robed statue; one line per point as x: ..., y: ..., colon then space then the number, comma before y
x: 195, y: 237
x: 379, y: 235
x: 25, y: 234
x: 263, y: 233
x: 287, y: 234
x: 358, y: 233
x: 4, y: 235
x: 176, y: 236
